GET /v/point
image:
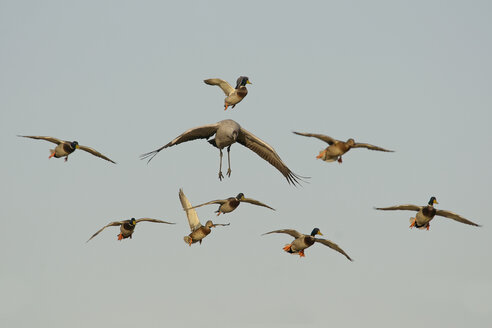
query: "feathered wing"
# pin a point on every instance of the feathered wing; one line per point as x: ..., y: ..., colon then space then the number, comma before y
x: 217, y: 201
x: 116, y: 223
x: 200, y: 132
x: 50, y: 139
x: 371, y: 147
x: 255, y: 202
x: 332, y: 245
x: 266, y: 152
x: 153, y: 220
x: 190, y: 213
x: 322, y: 137
x: 95, y: 153
x: 408, y: 207
x: 292, y: 232
x: 220, y: 224
x: 456, y: 217
x: 224, y: 85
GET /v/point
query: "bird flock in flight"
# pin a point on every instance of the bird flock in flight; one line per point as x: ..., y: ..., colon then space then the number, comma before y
x: 224, y: 134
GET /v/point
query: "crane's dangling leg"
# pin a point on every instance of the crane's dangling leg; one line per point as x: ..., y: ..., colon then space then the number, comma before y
x: 229, y: 161
x: 220, y: 166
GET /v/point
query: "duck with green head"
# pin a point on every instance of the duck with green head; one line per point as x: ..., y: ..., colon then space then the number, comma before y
x: 233, y: 95
x: 301, y: 242
x: 426, y: 213
x: 65, y: 148
x: 337, y: 148
x: 127, y: 227
x: 230, y: 204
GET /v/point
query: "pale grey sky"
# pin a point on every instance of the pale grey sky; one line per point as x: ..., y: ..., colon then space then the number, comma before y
x: 125, y: 77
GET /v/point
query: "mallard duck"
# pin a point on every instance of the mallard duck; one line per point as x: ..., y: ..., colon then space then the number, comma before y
x: 337, y: 148
x: 198, y: 231
x: 127, y: 227
x: 301, y: 242
x: 426, y: 213
x: 65, y: 148
x: 230, y: 204
x: 226, y: 133
x: 233, y: 95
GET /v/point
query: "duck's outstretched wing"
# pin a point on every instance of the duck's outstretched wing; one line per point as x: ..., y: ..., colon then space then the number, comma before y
x: 255, y: 202
x: 267, y: 152
x: 95, y: 153
x: 115, y: 223
x: 224, y: 85
x: 371, y: 147
x: 292, y: 232
x: 408, y: 207
x: 50, y: 139
x: 456, y: 217
x: 217, y: 201
x: 193, y: 220
x: 332, y: 245
x: 153, y: 220
x: 220, y: 224
x: 200, y: 132
x: 323, y: 137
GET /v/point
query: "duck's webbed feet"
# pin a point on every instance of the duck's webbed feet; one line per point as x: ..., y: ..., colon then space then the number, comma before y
x: 340, y: 160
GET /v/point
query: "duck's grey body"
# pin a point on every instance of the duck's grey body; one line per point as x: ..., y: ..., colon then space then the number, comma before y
x: 301, y: 243
x: 127, y: 230
x: 62, y: 150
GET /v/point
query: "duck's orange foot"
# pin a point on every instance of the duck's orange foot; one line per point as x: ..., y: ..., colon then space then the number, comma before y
x: 120, y: 236
x: 428, y: 226
x: 321, y: 153
x: 52, y: 154
x: 218, y: 213
x: 226, y: 106
x: 412, y: 223
x: 287, y: 248
x: 301, y: 253
x: 190, y: 242
x: 66, y: 158
x: 340, y: 160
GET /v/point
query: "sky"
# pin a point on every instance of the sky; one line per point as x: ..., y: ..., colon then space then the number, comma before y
x: 125, y: 78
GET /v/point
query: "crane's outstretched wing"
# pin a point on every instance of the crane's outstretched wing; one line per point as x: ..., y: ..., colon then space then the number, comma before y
x: 193, y: 220
x: 267, y: 152
x: 292, y: 232
x: 200, y: 132
x: 224, y: 85
x: 116, y: 223
x: 255, y: 202
x: 50, y: 139
x: 323, y: 137
x: 332, y: 245
x: 371, y: 147
x: 456, y: 217
x: 95, y: 153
